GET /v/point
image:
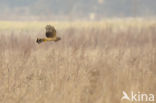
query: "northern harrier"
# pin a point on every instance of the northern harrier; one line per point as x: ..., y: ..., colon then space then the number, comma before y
x: 50, y: 34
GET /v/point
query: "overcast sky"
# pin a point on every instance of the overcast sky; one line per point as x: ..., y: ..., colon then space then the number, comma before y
x: 76, y: 9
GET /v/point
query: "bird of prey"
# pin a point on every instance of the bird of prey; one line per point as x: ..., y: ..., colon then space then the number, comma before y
x: 50, y: 34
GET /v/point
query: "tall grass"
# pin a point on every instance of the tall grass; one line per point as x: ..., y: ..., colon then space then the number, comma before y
x: 93, y: 63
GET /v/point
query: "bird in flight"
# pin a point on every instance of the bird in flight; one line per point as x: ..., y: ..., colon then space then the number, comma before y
x: 50, y: 34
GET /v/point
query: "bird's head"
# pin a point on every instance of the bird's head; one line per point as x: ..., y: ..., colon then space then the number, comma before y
x: 39, y: 40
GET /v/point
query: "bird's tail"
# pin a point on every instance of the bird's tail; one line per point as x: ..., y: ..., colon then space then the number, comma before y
x: 57, y: 39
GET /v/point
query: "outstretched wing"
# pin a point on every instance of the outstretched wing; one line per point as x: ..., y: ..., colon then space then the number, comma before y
x: 50, y: 31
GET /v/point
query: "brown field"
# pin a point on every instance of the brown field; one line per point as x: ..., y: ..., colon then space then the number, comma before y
x: 93, y: 63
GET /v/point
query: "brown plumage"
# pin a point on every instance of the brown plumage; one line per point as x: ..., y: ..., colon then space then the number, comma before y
x: 50, y: 34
